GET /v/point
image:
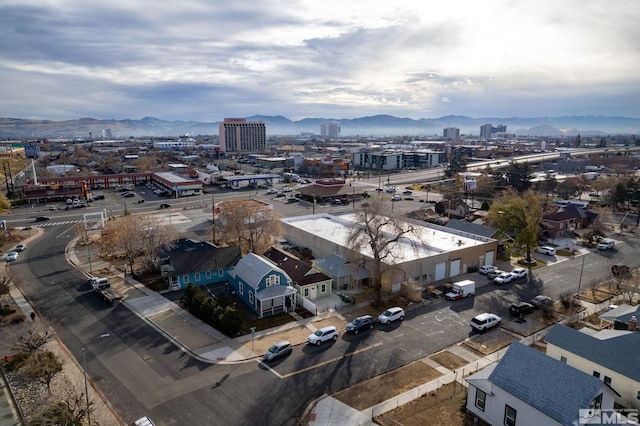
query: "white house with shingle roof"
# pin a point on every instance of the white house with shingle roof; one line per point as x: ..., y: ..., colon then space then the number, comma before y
x: 528, y: 388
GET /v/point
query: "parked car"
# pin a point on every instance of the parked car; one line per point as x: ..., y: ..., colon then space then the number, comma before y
x: 485, y: 321
x: 485, y: 269
x: 407, y: 192
x: 165, y: 205
x: 21, y: 247
x: 272, y: 191
x: 550, y: 251
x: 519, y: 273
x: 144, y: 421
x: 12, y: 255
x: 521, y: 308
x: 98, y: 197
x: 323, y: 334
x: 396, y: 198
x: 53, y: 208
x: 391, y: 314
x: 361, y: 323
x: 540, y: 301
x: 128, y: 195
x: 336, y: 201
x: 42, y: 218
x: 503, y: 278
x: 287, y: 189
x: 492, y: 274
x: 278, y: 350
x: 605, y: 244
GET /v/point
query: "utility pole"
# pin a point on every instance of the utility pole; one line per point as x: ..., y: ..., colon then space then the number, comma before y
x: 213, y: 217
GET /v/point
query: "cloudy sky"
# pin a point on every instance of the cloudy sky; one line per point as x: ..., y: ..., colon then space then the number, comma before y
x: 205, y: 60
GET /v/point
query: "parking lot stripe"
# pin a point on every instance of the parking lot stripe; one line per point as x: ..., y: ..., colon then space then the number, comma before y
x: 329, y: 361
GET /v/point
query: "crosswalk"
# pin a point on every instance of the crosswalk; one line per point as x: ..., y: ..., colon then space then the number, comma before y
x: 49, y: 224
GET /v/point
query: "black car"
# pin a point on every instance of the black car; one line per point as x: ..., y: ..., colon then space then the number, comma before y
x: 98, y: 197
x: 165, y: 205
x: 42, y: 218
x: 541, y: 301
x: 361, y: 323
x: 521, y: 308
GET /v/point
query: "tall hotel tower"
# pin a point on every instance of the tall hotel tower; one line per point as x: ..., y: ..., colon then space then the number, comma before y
x: 239, y: 136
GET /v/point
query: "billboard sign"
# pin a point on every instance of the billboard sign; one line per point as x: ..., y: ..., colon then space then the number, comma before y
x: 31, y: 151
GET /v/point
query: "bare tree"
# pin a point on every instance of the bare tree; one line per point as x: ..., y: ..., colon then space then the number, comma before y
x: 134, y: 236
x: 5, y: 283
x: 251, y: 225
x: 34, y: 339
x: 69, y: 412
x: 379, y: 235
x: 43, y: 366
x: 156, y: 236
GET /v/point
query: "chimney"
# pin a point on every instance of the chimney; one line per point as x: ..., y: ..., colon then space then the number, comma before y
x: 633, y: 323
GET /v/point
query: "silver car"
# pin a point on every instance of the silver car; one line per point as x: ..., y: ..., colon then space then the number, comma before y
x: 390, y: 315
x: 278, y: 350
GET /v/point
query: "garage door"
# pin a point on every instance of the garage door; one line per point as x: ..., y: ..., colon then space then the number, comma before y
x: 455, y: 268
x: 488, y: 260
x: 441, y: 271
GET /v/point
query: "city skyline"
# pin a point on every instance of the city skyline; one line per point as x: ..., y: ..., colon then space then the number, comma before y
x: 206, y: 62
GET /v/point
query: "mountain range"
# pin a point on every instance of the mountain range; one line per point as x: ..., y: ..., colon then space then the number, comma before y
x: 378, y: 125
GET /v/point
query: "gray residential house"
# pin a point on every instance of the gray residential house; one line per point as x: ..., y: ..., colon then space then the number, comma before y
x: 528, y: 388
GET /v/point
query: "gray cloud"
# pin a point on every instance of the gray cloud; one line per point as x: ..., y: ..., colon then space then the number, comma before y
x: 196, y: 60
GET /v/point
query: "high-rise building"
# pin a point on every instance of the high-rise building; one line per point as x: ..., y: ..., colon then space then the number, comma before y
x: 488, y: 130
x: 106, y: 133
x: 452, y: 133
x: 239, y: 136
x: 330, y: 129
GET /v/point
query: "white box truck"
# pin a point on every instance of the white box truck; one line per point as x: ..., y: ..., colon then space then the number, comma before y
x: 465, y: 288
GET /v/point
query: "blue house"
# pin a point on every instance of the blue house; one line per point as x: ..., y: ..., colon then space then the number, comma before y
x: 197, y: 262
x: 263, y: 286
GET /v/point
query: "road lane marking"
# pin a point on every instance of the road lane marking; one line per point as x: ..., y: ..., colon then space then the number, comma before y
x: 269, y: 368
x: 329, y: 361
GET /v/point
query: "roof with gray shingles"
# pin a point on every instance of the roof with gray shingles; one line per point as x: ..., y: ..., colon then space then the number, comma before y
x: 252, y: 268
x: 472, y: 228
x: 188, y: 256
x: 301, y: 273
x: 533, y: 378
x: 617, y: 351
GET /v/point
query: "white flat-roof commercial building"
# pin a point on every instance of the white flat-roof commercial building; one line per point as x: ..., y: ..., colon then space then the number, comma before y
x: 430, y: 253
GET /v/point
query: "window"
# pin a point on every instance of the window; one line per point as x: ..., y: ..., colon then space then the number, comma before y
x: 607, y: 380
x: 240, y: 288
x: 208, y: 275
x: 197, y: 276
x: 596, y: 374
x: 185, y: 278
x: 220, y: 272
x: 273, y: 280
x: 251, y: 297
x: 481, y: 398
x: 638, y: 394
x: 509, y: 416
x: 323, y: 288
x: 596, y: 404
x: 563, y: 359
x: 306, y: 292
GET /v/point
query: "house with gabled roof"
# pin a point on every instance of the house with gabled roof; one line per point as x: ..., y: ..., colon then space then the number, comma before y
x: 263, y: 286
x: 345, y: 274
x: 612, y: 356
x: 528, y: 388
x: 568, y: 218
x: 197, y: 262
x: 309, y: 282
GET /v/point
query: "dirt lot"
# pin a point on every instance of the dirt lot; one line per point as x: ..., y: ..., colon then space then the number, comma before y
x: 367, y: 394
x: 442, y: 408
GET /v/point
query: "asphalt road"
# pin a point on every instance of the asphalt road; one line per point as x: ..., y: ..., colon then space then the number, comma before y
x: 141, y: 373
